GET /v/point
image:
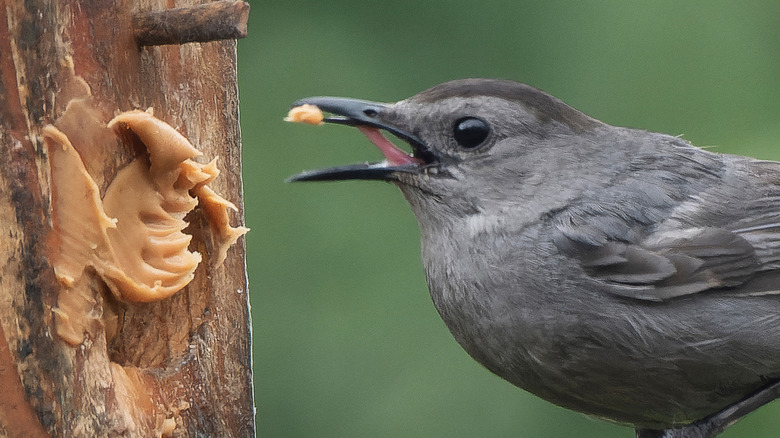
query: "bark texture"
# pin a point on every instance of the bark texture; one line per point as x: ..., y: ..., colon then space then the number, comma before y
x: 180, y: 367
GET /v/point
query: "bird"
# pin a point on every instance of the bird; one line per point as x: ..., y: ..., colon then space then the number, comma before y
x: 621, y: 273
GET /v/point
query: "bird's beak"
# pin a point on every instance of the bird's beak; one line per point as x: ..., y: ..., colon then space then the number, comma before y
x: 367, y: 117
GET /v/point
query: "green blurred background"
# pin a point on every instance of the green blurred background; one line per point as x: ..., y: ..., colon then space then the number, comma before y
x: 346, y: 340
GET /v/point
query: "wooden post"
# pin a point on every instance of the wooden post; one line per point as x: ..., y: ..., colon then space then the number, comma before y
x: 179, y: 367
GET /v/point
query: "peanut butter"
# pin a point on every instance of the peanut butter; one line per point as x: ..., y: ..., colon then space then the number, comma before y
x: 305, y: 113
x: 133, y: 237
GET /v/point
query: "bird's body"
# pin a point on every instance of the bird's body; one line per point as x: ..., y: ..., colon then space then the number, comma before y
x: 620, y: 273
x: 545, y: 295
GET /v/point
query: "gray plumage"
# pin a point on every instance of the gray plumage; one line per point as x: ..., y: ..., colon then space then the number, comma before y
x: 616, y: 272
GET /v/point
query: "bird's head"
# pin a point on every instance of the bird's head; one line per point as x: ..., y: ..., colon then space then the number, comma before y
x: 473, y: 142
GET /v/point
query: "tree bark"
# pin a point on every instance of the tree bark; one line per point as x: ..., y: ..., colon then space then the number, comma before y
x: 178, y: 367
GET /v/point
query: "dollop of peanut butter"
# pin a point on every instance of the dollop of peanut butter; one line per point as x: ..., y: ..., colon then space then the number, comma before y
x: 133, y: 237
x: 305, y: 113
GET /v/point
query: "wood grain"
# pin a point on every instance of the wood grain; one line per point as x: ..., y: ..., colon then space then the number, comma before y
x: 190, y: 353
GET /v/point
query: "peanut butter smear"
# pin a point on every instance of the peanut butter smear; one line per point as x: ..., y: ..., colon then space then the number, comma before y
x: 133, y: 237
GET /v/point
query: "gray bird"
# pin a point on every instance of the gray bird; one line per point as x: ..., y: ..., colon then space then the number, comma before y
x: 616, y: 272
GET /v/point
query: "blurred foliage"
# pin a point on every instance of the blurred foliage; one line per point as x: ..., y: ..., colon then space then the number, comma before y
x: 346, y: 341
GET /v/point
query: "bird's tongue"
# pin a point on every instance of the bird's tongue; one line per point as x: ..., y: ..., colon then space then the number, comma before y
x: 394, y: 156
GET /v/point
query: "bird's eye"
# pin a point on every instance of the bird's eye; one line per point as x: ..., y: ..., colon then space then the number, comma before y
x: 470, y: 132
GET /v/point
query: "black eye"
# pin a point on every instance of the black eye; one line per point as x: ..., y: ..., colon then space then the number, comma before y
x: 470, y: 132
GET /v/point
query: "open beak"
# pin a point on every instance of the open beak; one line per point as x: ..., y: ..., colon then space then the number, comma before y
x: 367, y: 117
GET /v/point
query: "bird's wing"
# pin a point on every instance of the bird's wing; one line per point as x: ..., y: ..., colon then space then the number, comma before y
x: 673, y: 261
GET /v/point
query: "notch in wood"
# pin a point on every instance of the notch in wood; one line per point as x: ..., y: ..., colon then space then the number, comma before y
x: 220, y: 20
